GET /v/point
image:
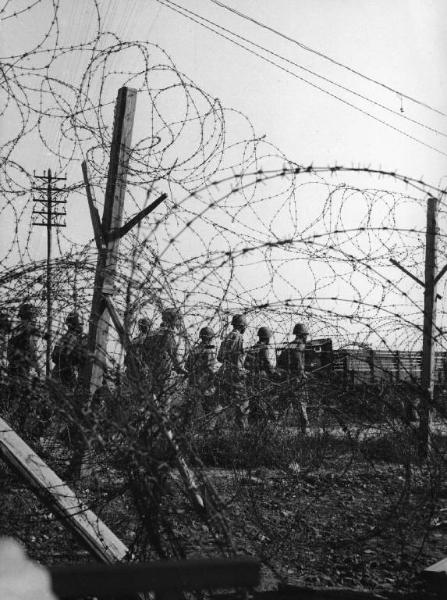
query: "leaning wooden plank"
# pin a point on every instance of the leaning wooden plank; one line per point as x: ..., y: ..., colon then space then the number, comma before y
x: 199, y: 574
x: 59, y: 498
x: 436, y: 576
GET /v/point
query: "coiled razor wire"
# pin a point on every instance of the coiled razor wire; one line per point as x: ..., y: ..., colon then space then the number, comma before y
x: 243, y: 230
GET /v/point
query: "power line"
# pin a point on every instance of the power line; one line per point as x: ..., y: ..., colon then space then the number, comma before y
x: 315, y: 74
x: 187, y: 14
x: 326, y: 57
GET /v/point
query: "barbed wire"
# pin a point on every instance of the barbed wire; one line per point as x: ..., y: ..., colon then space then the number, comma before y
x: 246, y: 231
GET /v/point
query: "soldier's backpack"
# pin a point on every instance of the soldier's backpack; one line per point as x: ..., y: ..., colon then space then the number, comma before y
x: 157, y: 349
x: 286, y: 359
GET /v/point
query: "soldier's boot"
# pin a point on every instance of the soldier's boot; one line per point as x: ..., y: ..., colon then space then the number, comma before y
x: 304, y: 421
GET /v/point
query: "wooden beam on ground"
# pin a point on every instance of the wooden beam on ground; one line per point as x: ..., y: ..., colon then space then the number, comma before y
x: 59, y: 498
x: 436, y: 576
x: 111, y: 221
x: 165, y: 576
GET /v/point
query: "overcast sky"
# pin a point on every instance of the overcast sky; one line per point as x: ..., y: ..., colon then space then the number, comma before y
x: 399, y: 44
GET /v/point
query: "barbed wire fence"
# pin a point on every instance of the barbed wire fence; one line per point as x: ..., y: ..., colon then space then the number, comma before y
x: 243, y: 230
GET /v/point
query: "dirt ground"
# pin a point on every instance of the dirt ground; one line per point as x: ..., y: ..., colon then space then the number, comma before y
x: 322, y: 511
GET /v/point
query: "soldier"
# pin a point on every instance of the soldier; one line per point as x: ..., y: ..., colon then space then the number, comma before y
x: 138, y: 362
x: 70, y: 352
x: 160, y: 352
x: 261, y: 366
x: 202, y: 367
x: 232, y: 374
x: 23, y: 364
x: 5, y: 330
x: 292, y: 361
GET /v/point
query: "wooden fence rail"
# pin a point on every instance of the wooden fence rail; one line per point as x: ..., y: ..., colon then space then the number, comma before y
x: 163, y: 577
x: 369, y: 366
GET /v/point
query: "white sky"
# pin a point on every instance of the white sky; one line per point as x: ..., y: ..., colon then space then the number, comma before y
x: 401, y: 43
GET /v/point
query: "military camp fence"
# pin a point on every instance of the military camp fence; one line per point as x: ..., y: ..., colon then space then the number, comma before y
x: 366, y: 366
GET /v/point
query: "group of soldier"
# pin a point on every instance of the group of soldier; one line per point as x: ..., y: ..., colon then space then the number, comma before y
x: 231, y: 384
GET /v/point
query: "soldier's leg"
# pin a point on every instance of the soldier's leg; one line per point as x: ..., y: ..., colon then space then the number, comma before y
x: 301, y: 406
x: 302, y: 414
x: 241, y: 406
x: 77, y: 457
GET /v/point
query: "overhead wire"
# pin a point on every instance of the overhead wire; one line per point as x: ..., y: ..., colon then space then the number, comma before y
x: 322, y: 77
x: 328, y: 58
x: 198, y: 20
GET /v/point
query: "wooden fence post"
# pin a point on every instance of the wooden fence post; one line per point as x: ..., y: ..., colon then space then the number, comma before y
x: 397, y: 363
x: 428, y: 344
x: 372, y: 367
x: 111, y: 222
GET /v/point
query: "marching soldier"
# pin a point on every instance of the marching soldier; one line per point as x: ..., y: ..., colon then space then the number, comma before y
x: 5, y: 330
x: 232, y: 374
x: 23, y: 365
x: 136, y: 359
x: 161, y: 353
x: 202, y: 367
x: 292, y: 361
x: 70, y: 352
x: 261, y: 366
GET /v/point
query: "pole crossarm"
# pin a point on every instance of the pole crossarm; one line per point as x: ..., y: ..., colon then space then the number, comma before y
x: 441, y: 273
x: 117, y: 234
x: 94, y: 214
x: 407, y: 272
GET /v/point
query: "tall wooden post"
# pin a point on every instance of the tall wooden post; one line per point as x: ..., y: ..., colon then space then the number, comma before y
x: 49, y: 326
x: 428, y: 345
x: 111, y: 222
x: 49, y: 218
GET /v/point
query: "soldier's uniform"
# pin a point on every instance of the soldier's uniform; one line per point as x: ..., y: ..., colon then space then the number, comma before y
x: 232, y: 374
x: 5, y: 329
x: 160, y: 354
x: 292, y: 361
x: 136, y: 361
x: 70, y: 353
x: 23, y: 364
x: 202, y: 367
x: 260, y: 364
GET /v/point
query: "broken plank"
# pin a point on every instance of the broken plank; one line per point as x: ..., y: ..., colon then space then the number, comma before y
x: 160, y: 576
x: 60, y: 498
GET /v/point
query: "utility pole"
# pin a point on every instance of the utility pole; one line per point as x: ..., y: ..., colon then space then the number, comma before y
x: 428, y: 344
x: 429, y: 327
x: 49, y: 218
x: 108, y: 231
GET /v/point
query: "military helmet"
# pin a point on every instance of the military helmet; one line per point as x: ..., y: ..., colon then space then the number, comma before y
x: 73, y: 319
x: 170, y: 316
x: 5, y: 322
x: 265, y: 333
x: 300, y: 329
x: 238, y: 320
x: 144, y: 324
x: 26, y: 311
x: 206, y: 333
